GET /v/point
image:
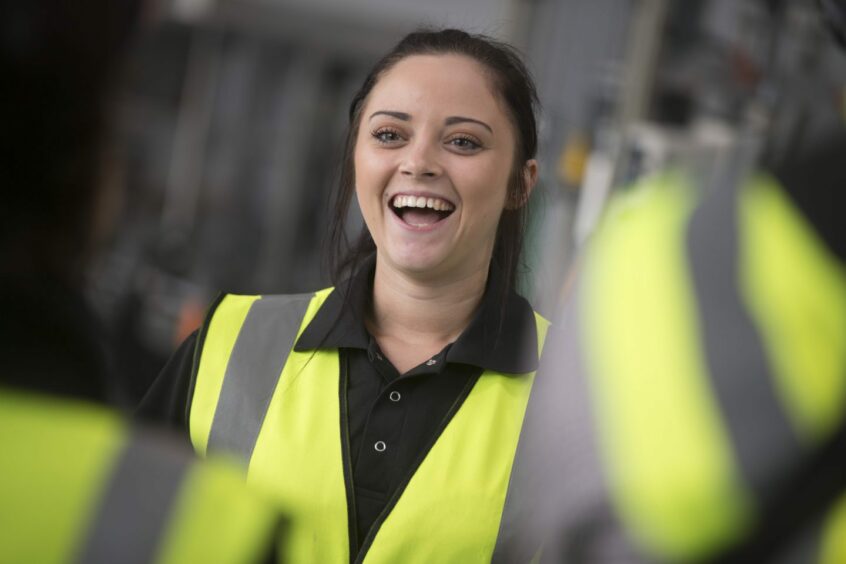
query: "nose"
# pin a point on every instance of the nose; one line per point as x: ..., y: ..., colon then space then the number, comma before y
x: 420, y: 160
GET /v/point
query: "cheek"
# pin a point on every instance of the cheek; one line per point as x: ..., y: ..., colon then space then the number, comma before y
x: 486, y: 195
x: 369, y: 173
x: 363, y: 184
x: 491, y: 220
x: 369, y: 184
x: 486, y: 188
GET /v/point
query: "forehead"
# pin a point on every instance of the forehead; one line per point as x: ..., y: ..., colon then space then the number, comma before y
x: 449, y: 83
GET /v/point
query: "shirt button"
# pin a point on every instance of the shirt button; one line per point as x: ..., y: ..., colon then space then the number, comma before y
x: 380, y: 446
x: 431, y: 362
x: 395, y: 396
x: 379, y: 356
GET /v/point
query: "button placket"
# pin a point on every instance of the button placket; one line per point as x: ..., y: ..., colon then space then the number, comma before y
x: 382, y: 435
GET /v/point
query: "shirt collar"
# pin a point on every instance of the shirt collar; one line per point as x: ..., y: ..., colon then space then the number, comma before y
x: 501, y: 337
x: 340, y: 320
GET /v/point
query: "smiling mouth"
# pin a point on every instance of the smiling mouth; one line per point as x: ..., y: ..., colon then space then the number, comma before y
x: 420, y: 211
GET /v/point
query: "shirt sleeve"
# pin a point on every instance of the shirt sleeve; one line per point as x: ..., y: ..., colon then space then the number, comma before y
x: 166, y: 402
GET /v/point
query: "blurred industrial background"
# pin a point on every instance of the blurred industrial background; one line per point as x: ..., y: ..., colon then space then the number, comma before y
x: 232, y: 115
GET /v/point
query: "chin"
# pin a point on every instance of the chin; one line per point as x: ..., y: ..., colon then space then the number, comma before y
x: 415, y: 261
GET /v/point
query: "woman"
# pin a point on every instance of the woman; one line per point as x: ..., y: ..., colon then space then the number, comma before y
x: 385, y: 413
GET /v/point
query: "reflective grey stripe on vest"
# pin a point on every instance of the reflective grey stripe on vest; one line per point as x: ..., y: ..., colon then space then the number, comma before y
x: 133, y: 514
x: 741, y: 379
x: 258, y: 357
x: 557, y: 498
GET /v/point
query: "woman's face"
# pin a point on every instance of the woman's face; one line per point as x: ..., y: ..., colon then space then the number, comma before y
x: 433, y: 157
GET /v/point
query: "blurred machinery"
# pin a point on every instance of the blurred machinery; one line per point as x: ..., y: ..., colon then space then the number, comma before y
x: 234, y: 112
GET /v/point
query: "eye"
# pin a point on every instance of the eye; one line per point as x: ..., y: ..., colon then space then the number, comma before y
x: 465, y: 143
x: 386, y: 135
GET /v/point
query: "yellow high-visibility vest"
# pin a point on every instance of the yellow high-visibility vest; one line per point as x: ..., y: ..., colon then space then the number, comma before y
x: 281, y: 412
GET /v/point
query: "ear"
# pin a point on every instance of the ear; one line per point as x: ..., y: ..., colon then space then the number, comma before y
x: 530, y: 178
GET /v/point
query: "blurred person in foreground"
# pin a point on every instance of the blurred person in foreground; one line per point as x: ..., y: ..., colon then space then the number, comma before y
x: 77, y: 483
x: 691, y: 407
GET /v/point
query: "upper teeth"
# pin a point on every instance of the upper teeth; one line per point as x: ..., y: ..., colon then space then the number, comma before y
x: 420, y: 202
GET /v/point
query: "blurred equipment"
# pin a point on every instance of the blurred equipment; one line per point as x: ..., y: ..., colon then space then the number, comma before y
x: 672, y: 84
x: 834, y: 15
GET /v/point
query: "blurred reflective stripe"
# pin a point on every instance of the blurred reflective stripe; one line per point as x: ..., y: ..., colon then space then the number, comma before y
x: 833, y: 546
x: 763, y: 438
x: 557, y: 481
x: 134, y: 511
x: 796, y: 291
x: 667, y: 452
x: 217, y: 338
x: 253, y: 371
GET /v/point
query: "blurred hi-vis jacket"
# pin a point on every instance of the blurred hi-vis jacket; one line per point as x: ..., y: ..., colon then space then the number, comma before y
x: 77, y: 485
x: 700, y: 362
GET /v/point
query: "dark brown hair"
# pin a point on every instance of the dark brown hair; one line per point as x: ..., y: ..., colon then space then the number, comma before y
x: 511, y: 82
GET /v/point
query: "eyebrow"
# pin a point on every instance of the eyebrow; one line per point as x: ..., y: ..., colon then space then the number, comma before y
x: 399, y: 115
x: 461, y: 119
x: 448, y: 121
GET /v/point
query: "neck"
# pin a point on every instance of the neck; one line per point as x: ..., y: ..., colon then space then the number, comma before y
x: 424, y: 314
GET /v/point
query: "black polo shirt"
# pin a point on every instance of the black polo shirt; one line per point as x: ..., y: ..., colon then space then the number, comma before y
x: 391, y: 419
